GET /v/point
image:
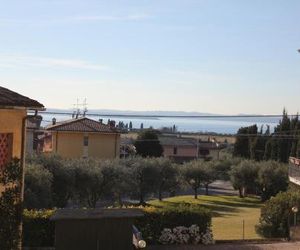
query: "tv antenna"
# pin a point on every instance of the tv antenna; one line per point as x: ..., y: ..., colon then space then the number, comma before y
x: 80, y: 108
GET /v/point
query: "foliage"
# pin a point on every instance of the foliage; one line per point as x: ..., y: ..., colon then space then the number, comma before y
x: 10, y: 205
x: 277, y: 146
x: 272, y: 178
x: 209, y: 174
x: 93, y: 179
x: 156, y: 219
x: 242, y: 146
x: 244, y: 177
x: 186, y: 235
x: 63, y: 177
x: 148, y: 145
x: 38, y: 228
x: 196, y: 174
x: 38, y: 181
x: 168, y: 176
x: 276, y: 214
x: 222, y: 167
x: 143, y: 177
x: 264, y: 178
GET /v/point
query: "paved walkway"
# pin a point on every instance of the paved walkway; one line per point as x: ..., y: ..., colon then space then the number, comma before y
x: 272, y: 246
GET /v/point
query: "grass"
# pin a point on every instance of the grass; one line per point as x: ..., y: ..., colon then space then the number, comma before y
x: 228, y: 212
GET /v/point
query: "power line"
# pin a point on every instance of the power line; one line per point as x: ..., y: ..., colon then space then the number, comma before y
x: 169, y: 116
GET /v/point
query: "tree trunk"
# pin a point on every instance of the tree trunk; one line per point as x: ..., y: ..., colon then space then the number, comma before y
x: 160, y: 195
x: 120, y: 200
x: 142, y: 201
x: 196, y: 193
x: 206, y: 189
x: 240, y: 193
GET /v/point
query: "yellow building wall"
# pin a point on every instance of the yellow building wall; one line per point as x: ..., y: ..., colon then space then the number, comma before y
x: 11, y: 122
x: 105, y: 146
x: 70, y: 145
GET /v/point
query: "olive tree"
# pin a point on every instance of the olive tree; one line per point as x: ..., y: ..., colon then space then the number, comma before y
x: 37, y: 193
x: 244, y: 177
x: 168, y: 176
x: 272, y: 178
x: 143, y: 177
x: 194, y: 175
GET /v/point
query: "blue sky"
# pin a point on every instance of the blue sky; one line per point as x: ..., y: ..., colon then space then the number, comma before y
x: 217, y: 56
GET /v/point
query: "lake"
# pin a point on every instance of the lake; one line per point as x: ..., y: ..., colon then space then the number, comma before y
x: 224, y: 125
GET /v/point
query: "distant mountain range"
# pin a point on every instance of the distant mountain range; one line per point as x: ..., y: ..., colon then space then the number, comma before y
x: 131, y: 112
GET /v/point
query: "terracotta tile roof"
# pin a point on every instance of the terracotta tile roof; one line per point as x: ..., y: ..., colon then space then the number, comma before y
x: 82, y: 125
x: 177, y: 141
x: 10, y: 98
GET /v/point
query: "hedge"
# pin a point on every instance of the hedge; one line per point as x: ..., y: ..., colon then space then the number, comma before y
x: 39, y: 230
x: 156, y: 219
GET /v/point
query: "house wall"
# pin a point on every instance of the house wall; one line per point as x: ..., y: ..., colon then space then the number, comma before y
x: 70, y: 145
x: 11, y: 122
x: 104, y: 145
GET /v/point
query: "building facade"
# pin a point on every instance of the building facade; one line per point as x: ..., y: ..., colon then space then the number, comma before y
x: 13, y: 117
x: 82, y: 138
x: 183, y: 149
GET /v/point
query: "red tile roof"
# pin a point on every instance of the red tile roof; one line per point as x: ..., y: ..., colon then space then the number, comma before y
x: 10, y: 98
x: 82, y: 125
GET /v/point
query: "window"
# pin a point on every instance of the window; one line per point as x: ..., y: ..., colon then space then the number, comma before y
x: 175, y: 150
x: 85, y: 141
x: 6, y: 143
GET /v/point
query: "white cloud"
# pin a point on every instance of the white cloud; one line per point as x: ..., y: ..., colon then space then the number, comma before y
x: 21, y: 61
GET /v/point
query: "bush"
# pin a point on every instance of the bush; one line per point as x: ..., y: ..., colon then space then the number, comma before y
x: 10, y: 205
x: 156, y: 220
x: 275, y: 215
x: 38, y: 181
x: 38, y: 230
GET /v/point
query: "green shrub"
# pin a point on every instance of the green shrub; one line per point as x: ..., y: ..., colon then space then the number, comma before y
x: 38, y: 230
x: 156, y: 219
x: 277, y: 213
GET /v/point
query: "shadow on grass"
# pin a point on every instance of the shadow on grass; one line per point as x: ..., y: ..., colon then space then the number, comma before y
x: 220, y: 206
x: 217, y: 210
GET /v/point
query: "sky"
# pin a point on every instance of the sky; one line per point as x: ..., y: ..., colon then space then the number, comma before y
x: 212, y: 56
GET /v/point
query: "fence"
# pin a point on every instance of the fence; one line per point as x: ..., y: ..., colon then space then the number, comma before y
x: 235, y: 229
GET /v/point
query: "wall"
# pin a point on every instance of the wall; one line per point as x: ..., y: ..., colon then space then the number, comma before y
x: 70, y: 145
x: 104, y: 146
x: 11, y: 122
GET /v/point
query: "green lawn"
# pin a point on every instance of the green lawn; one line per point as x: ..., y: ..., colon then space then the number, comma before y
x: 229, y: 212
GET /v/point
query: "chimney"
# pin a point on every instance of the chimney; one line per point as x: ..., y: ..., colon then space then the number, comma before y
x: 53, y: 121
x: 101, y: 121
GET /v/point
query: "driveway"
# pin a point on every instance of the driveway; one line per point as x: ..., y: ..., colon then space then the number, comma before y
x: 269, y: 246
